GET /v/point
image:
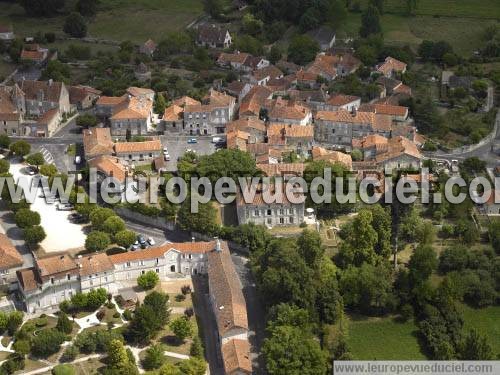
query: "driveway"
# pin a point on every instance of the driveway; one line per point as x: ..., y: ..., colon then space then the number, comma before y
x: 62, y: 235
x: 177, y: 146
x: 15, y: 234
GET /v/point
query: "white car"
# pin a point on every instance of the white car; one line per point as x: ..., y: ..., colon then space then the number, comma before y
x: 151, y: 241
x: 217, y: 139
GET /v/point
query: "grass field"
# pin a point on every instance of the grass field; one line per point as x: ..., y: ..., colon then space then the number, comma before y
x: 464, y: 34
x: 487, y: 322
x: 135, y: 20
x: 383, y: 339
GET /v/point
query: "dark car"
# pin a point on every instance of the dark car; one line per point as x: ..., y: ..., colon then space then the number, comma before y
x: 76, y: 218
x: 142, y: 241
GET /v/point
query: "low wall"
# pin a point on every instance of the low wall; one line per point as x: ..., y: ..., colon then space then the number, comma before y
x: 157, y: 222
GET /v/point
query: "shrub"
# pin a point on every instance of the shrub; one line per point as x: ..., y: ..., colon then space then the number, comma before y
x: 186, y: 289
x: 97, y: 241
x: 119, y: 300
x: 180, y: 297
x: 182, y: 328
x: 154, y: 358
x: 116, y: 315
x: 189, y: 312
x: 41, y: 322
x: 406, y: 312
x: 47, y: 342
x: 22, y: 347
x: 148, y: 280
x: 14, y: 321
x: 127, y: 315
x: 70, y: 354
x: 14, y: 363
x: 63, y: 369
x: 64, y: 324
x: 100, y: 315
x: 196, y: 349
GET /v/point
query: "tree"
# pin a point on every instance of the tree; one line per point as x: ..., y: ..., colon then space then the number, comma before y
x: 359, y: 240
x: 205, y: 220
x: 302, y: 49
x: 22, y: 347
x: 14, y: 321
x: 149, y: 318
x: 476, y: 348
x: 97, y: 241
x: 113, y: 225
x: 160, y: 104
x: 125, y: 238
x: 87, y: 8
x: 213, y: 7
x: 36, y: 159
x: 155, y: 357
x: 182, y: 328
x: 382, y: 224
x: 96, y: 298
x: 75, y: 25
x: 63, y: 369
x: 34, y: 235
x: 44, y: 8
x: 370, y: 22
x: 4, y: 166
x: 368, y: 288
x: 422, y: 263
x: 48, y: 170
x: 47, y: 342
x: 289, y: 350
x: 411, y: 7
x: 70, y: 354
x: 230, y: 163
x: 169, y: 369
x: 64, y: 324
x: 379, y: 4
x: 20, y: 148
x: 117, y: 355
x: 4, y: 141
x: 310, y: 19
x: 57, y: 71
x: 26, y: 218
x: 494, y: 235
x: 148, y: 280
x: 310, y: 248
x: 193, y: 366
x: 196, y: 349
x: 454, y: 258
x: 86, y: 120
x: 99, y: 216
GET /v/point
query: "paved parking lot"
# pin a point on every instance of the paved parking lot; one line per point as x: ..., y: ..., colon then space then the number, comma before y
x: 177, y: 146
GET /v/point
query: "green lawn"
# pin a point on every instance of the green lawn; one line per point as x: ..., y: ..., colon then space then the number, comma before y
x: 135, y: 20
x: 486, y: 321
x: 383, y: 339
x: 449, y: 8
x: 464, y: 34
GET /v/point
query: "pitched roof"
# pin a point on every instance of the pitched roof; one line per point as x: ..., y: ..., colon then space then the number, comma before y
x: 149, y: 45
x: 294, y: 131
x: 245, y: 124
x: 7, y: 108
x: 340, y: 99
x: 391, y: 65
x: 126, y: 147
x: 139, y: 91
x: 320, y: 153
x: 159, y: 251
x: 389, y: 83
x: 210, y: 33
x: 97, y: 141
x: 226, y: 291
x: 9, y: 256
x: 323, y: 34
x: 303, y: 75
x: 94, y: 263
x: 219, y: 99
x: 328, y: 64
x: 254, y: 100
x: 55, y: 264
x: 133, y: 108
x: 282, y: 169
x: 173, y: 113
x: 269, y: 71
x: 79, y: 93
x: 33, y: 55
x: 236, y: 356
x: 28, y: 279
x: 265, y: 194
x: 286, y: 109
x: 385, y: 109
x: 374, y: 140
x: 111, y: 100
x: 237, y: 57
x: 110, y: 166
x: 398, y: 146
x: 346, y: 116
x: 50, y: 90
x: 48, y: 116
x: 185, y: 100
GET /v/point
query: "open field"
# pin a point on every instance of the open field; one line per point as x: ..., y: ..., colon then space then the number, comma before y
x: 135, y: 20
x: 486, y: 321
x: 383, y: 339
x: 450, y: 8
x: 464, y: 34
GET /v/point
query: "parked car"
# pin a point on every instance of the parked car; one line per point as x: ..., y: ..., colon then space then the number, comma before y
x: 142, y: 241
x: 217, y: 140
x: 135, y: 246
x: 76, y: 218
x: 192, y: 140
x: 31, y: 170
x: 65, y: 207
x: 151, y: 241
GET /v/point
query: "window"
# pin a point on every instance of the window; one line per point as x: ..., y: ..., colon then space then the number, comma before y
x: 127, y: 264
x: 269, y: 221
x: 157, y: 270
x: 143, y: 272
x: 190, y: 256
x: 157, y: 261
x: 52, y: 280
x: 281, y: 211
x: 290, y: 220
x: 282, y: 220
x: 68, y: 276
x: 91, y: 282
x: 256, y: 213
x: 269, y: 212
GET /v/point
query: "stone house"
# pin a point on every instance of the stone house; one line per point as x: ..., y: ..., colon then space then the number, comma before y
x: 10, y: 261
x: 10, y: 116
x: 135, y: 114
x: 39, y: 97
x: 213, y: 36
x: 138, y: 152
x: 6, y: 33
x: 391, y: 67
x: 148, y: 48
x: 346, y: 102
x: 83, y: 97
x: 324, y: 36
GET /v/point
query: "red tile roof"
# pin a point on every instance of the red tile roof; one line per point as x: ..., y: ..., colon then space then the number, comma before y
x: 9, y: 256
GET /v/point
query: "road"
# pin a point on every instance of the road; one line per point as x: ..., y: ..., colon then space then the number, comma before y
x: 484, y: 151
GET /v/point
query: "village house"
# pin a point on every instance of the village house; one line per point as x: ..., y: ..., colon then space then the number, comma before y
x: 211, y: 116
x: 83, y: 97
x: 35, y: 98
x: 492, y: 205
x: 287, y: 111
x: 111, y: 167
x: 297, y: 138
x: 324, y: 36
x: 10, y: 117
x: 339, y: 128
x: 134, y: 115
x: 238, y: 89
x: 10, y: 261
x: 230, y: 311
x: 34, y: 54
x: 393, y: 86
x: 6, y: 33
x: 97, y: 142
x: 397, y: 113
x: 320, y: 153
x: 312, y: 99
x: 57, y: 278
x: 331, y: 66
x: 305, y: 79
x: 45, y: 126
x: 255, y: 128
x: 148, y: 48
x: 213, y: 36
x: 284, y: 170
x: 346, y: 102
x: 262, y: 76
x: 138, y: 152
x: 105, y: 105
x: 254, y: 101
x: 391, y: 67
x: 141, y: 93
x: 241, y: 61
x: 266, y: 209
